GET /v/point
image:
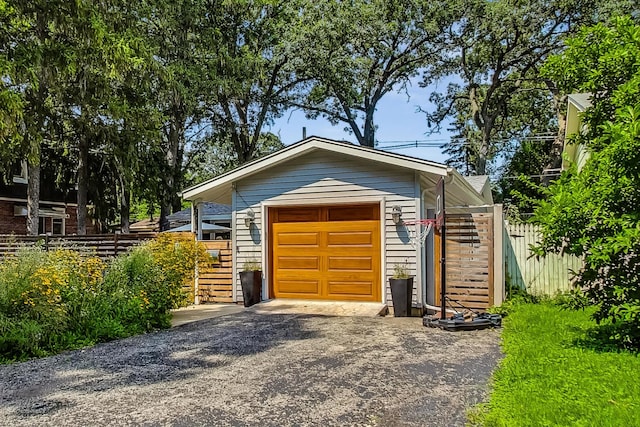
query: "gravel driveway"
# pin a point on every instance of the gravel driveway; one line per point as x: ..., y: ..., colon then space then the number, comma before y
x: 260, y: 370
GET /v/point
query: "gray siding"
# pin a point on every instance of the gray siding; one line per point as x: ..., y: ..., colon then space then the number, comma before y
x: 327, y: 178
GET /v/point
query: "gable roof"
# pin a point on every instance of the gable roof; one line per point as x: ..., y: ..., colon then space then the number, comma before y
x: 220, y: 187
x: 209, y: 210
x: 477, y: 182
x: 482, y: 185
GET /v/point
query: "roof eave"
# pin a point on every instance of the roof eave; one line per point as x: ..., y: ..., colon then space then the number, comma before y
x: 459, y: 181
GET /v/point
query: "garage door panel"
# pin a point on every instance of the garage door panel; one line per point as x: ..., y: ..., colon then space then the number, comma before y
x: 311, y: 287
x: 298, y: 239
x: 350, y: 238
x: 299, y: 263
x: 350, y: 263
x: 353, y: 213
x: 301, y: 214
x: 352, y: 288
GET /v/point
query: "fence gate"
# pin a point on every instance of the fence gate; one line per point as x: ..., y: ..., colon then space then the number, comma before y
x: 215, y: 279
x: 469, y: 260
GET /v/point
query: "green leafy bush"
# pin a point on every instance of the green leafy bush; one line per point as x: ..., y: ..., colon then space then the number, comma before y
x: 58, y: 300
x: 594, y: 213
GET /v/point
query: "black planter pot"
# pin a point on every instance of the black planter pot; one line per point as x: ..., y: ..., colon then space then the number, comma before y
x: 401, y: 292
x: 251, y: 282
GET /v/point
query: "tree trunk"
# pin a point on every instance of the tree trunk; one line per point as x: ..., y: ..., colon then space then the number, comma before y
x: 481, y: 157
x: 83, y: 185
x: 33, y: 193
x: 369, y: 139
x: 125, y: 207
x: 555, y: 155
x: 174, y: 137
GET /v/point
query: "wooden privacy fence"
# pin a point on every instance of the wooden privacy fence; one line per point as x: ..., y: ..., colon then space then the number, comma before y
x: 102, y: 245
x: 214, y: 280
x: 541, y: 276
x: 469, y: 260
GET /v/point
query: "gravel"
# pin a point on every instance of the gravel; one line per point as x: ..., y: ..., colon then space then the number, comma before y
x: 266, y: 370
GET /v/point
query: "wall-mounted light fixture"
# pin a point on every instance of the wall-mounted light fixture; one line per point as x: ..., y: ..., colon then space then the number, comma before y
x: 396, y: 214
x: 249, y: 218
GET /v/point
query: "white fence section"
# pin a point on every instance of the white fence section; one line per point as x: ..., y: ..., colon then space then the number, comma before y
x: 539, y: 276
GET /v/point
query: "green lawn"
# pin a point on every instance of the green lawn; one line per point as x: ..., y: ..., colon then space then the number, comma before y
x: 553, y: 376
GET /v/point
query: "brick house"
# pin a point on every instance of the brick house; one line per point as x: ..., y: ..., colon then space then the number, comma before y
x: 58, y: 210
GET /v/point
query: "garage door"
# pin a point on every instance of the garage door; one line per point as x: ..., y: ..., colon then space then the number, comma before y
x: 330, y: 253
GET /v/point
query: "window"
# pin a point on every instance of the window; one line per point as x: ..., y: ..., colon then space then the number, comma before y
x: 20, y: 175
x: 42, y: 225
x: 58, y: 226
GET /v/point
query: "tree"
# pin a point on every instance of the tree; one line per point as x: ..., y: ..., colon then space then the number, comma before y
x: 11, y: 99
x: 520, y: 184
x: 185, y: 39
x: 102, y: 48
x: 497, y: 48
x: 526, y: 113
x: 37, y: 60
x: 256, y: 59
x: 595, y: 213
x: 216, y: 156
x: 357, y: 52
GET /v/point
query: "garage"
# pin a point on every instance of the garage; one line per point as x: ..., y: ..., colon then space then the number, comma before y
x: 331, y: 221
x: 325, y: 252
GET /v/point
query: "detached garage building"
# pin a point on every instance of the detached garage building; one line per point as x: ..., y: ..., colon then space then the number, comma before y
x: 317, y: 216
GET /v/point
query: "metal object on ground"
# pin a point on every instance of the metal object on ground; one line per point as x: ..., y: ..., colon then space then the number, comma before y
x: 457, y: 322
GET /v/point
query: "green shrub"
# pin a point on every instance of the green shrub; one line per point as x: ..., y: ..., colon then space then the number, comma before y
x: 594, y: 212
x: 149, y: 294
x: 572, y: 300
x: 177, y: 254
x: 58, y: 300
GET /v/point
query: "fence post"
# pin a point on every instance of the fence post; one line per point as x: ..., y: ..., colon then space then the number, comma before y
x: 115, y: 245
x: 46, y: 243
x: 196, y: 275
x: 498, y: 255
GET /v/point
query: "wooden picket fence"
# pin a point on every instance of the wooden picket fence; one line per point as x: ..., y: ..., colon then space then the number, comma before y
x: 541, y: 276
x: 102, y: 245
x: 215, y: 280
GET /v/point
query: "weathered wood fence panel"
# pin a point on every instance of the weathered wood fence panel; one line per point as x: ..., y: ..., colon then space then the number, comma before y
x: 469, y: 260
x: 215, y: 280
x: 102, y: 245
x: 540, y: 276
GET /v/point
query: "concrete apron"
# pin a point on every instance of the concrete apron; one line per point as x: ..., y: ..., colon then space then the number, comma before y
x: 320, y: 308
x: 194, y: 313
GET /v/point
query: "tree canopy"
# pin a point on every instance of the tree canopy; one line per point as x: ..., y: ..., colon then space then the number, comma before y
x: 133, y: 101
x: 356, y: 52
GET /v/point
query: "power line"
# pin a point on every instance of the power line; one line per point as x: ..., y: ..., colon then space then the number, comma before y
x: 440, y: 142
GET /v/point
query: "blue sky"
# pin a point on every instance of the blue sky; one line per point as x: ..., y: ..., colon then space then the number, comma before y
x: 397, y: 119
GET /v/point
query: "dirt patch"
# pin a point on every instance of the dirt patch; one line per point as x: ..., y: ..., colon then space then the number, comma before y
x: 268, y: 370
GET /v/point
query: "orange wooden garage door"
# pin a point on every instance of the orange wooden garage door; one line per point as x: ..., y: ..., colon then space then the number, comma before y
x: 330, y: 253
